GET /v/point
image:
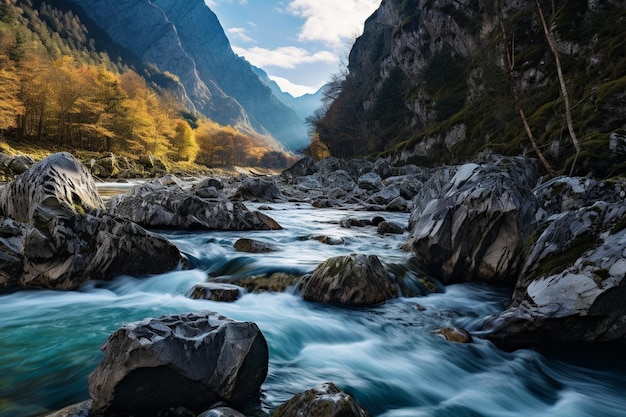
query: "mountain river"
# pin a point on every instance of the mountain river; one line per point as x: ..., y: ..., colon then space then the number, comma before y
x: 388, y: 357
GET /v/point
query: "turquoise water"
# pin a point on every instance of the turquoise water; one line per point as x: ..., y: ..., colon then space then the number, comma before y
x: 387, y: 357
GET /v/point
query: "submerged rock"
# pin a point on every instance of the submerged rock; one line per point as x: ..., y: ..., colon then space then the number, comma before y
x: 190, y: 361
x: 351, y: 280
x: 215, y: 292
x: 157, y: 206
x: 454, y: 334
x: 325, y: 400
x: 470, y: 223
x: 253, y: 246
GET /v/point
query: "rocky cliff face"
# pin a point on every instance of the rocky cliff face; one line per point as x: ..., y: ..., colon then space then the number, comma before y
x: 429, y: 82
x: 187, y: 40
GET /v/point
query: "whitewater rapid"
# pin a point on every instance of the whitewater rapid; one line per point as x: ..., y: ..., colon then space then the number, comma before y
x: 388, y: 357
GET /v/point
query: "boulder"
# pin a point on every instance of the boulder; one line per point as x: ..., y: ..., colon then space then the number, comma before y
x: 454, y: 334
x: 63, y: 237
x: 58, y: 185
x: 253, y: 246
x: 354, y: 279
x: 562, y: 194
x: 215, y: 291
x: 383, y: 168
x: 389, y: 228
x: 210, y: 188
x: 472, y: 223
x: 370, y: 181
x: 258, y: 189
x: 15, y: 165
x: 385, y: 196
x: 325, y: 400
x: 189, y: 361
x: 154, y: 205
x: 302, y: 168
x: 573, y: 283
x: 222, y: 412
x: 339, y: 179
x: 74, y: 410
x: 398, y: 204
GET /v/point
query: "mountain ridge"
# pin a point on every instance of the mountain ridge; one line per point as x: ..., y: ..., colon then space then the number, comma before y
x: 428, y: 82
x: 190, y: 43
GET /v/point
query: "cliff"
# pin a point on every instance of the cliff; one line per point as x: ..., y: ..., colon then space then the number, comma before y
x: 188, y: 41
x: 428, y: 82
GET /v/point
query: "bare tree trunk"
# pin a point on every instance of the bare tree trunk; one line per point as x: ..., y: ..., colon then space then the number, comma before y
x: 568, y: 112
x: 518, y: 104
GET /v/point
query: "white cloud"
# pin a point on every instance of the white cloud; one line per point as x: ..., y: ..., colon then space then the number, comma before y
x: 295, y: 90
x: 330, y: 21
x: 284, y: 57
x: 240, y: 34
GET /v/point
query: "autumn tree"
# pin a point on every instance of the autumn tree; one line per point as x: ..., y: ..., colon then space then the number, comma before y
x: 10, y: 104
x: 184, y: 142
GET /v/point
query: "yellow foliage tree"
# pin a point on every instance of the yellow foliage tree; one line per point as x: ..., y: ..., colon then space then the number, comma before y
x: 184, y: 142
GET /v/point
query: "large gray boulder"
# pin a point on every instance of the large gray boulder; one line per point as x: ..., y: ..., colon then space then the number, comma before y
x: 325, y: 400
x: 57, y: 185
x: 155, y: 205
x: 57, y: 235
x: 574, y: 281
x: 258, y: 189
x: 302, y: 168
x: 471, y: 223
x: 191, y: 361
x: 354, y: 279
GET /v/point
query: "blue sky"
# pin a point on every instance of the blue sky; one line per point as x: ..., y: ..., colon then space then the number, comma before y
x: 299, y: 43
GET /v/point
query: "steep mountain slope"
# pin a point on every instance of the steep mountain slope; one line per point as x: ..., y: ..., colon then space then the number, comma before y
x: 429, y: 82
x: 187, y: 40
x: 305, y: 106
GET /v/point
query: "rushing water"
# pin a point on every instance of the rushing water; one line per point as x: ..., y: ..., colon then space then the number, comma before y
x: 387, y: 356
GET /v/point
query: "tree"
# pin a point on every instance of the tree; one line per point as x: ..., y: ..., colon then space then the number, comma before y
x: 564, y: 94
x: 184, y: 142
x: 510, y: 59
x: 10, y: 104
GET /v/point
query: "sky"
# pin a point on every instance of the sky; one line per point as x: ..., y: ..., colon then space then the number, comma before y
x: 299, y: 43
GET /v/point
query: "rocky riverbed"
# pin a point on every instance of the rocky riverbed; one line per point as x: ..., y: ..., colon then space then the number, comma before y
x: 558, y: 245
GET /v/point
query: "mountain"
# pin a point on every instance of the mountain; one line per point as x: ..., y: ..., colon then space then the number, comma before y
x: 305, y: 106
x: 429, y: 82
x: 186, y: 39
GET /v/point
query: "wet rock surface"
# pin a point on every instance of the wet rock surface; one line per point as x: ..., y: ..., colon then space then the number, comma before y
x: 156, y: 205
x: 325, y: 400
x: 190, y: 361
x: 469, y: 223
x: 350, y: 280
x: 57, y: 235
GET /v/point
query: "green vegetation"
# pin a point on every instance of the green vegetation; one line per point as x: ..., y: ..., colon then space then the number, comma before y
x: 442, y: 90
x: 61, y: 90
x: 557, y: 262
